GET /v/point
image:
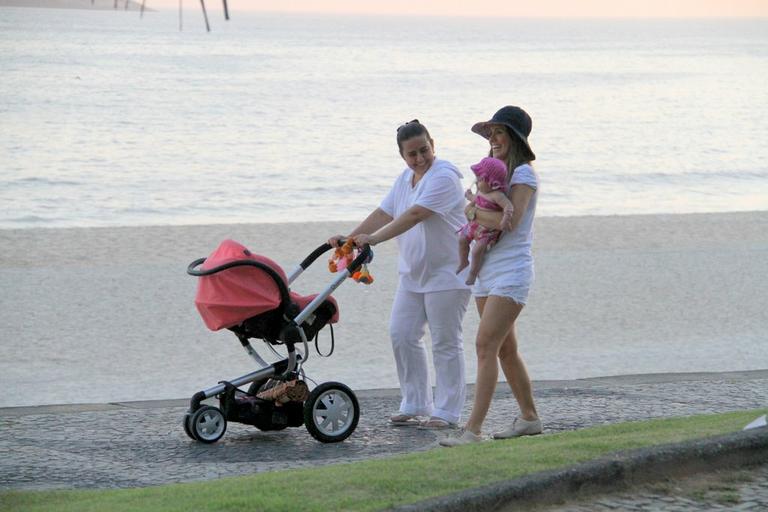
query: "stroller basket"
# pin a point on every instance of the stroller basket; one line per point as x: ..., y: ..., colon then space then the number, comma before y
x: 249, y: 295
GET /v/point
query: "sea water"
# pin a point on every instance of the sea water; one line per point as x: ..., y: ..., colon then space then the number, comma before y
x: 110, y: 119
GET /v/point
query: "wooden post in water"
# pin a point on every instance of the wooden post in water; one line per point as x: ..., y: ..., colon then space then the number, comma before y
x: 180, y: 10
x: 226, y: 10
x: 205, y: 15
x: 141, y: 12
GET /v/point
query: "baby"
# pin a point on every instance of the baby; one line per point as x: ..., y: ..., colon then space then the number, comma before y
x: 491, y: 194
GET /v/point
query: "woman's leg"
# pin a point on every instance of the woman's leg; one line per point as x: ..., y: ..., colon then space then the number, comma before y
x: 406, y: 330
x: 517, y: 376
x: 497, y: 318
x: 445, y: 311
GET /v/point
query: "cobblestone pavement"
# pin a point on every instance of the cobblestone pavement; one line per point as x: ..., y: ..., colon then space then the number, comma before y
x: 733, y: 490
x: 142, y: 443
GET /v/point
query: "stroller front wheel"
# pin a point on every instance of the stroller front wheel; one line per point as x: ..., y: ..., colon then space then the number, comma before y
x: 331, y: 412
x: 207, y: 424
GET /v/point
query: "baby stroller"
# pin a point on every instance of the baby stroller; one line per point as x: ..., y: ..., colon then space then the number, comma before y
x: 249, y: 295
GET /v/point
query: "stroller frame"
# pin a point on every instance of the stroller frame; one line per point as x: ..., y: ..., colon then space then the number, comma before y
x: 330, y: 412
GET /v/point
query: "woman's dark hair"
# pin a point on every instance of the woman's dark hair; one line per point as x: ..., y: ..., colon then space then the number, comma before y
x: 518, y: 154
x: 410, y: 130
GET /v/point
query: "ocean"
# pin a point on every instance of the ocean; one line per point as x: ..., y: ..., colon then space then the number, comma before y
x: 109, y: 119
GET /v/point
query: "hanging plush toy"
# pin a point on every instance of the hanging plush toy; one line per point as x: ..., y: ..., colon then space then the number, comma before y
x: 363, y: 276
x: 341, y: 259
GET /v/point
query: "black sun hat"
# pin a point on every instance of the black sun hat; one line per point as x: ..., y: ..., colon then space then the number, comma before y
x: 516, y: 119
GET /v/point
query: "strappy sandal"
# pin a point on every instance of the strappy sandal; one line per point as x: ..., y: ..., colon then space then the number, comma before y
x: 435, y: 423
x: 404, y: 420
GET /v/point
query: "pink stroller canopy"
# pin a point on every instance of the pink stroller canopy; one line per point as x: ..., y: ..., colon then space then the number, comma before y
x: 229, y: 297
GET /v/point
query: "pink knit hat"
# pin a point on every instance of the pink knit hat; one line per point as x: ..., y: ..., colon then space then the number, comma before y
x: 492, y: 171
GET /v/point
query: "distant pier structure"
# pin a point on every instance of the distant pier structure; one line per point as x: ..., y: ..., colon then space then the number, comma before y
x: 125, y: 5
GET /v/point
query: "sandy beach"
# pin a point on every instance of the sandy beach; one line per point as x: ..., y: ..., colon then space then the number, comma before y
x: 107, y: 314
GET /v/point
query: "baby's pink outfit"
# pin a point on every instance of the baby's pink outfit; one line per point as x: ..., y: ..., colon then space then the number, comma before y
x: 475, y: 231
x: 493, y: 172
x: 486, y: 204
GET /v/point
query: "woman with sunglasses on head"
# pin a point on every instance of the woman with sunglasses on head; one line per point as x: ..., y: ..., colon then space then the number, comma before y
x: 424, y: 210
x: 502, y: 285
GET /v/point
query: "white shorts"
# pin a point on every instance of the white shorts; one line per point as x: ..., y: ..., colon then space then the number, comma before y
x: 517, y: 293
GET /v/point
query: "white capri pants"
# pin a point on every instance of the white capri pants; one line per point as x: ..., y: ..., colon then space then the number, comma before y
x: 443, y: 311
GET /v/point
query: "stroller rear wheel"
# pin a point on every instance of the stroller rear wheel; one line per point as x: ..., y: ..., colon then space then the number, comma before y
x: 331, y: 412
x: 207, y: 424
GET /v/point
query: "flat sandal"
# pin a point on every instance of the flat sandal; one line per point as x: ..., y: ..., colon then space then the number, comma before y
x: 404, y: 420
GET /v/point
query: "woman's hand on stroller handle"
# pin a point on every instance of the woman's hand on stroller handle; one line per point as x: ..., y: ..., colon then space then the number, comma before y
x: 363, y: 240
x: 360, y: 241
x: 351, y: 256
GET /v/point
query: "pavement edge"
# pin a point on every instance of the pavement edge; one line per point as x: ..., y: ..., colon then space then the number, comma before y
x: 624, y: 468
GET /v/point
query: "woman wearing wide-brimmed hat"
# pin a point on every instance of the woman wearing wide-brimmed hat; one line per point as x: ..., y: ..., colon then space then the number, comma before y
x: 502, y: 286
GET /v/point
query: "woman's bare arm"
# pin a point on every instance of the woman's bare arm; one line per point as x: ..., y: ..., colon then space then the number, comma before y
x: 375, y: 221
x: 500, y: 198
x: 520, y: 195
x: 400, y: 225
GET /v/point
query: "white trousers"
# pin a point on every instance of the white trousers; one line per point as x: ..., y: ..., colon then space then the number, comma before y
x: 443, y: 311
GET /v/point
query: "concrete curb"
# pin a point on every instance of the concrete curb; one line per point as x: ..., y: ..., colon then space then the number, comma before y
x: 607, y: 473
x: 502, y: 389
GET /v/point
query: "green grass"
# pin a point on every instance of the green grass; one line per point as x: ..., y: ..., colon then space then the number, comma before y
x: 382, y: 483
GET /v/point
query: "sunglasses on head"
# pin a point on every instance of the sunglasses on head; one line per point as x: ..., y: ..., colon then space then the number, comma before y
x: 406, y: 124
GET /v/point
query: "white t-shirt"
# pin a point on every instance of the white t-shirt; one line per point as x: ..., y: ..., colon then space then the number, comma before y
x: 429, y: 253
x: 510, y: 261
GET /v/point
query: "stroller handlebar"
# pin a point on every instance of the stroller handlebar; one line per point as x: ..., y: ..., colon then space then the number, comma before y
x: 366, y: 254
x: 314, y: 255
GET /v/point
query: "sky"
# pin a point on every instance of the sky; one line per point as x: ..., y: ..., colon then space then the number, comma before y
x: 505, y: 8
